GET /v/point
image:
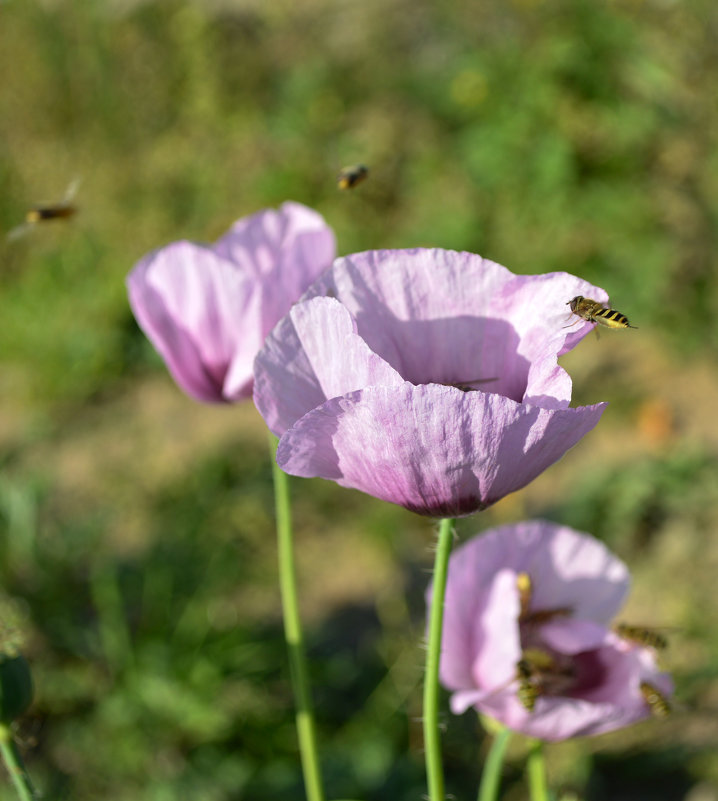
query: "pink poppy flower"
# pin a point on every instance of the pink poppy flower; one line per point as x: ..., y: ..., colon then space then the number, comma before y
x: 208, y: 308
x: 527, y: 637
x: 428, y: 378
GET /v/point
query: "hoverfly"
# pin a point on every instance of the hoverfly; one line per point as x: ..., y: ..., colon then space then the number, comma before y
x: 529, y: 671
x: 539, y: 673
x: 655, y: 699
x: 529, y: 691
x: 52, y: 211
x: 349, y: 177
x: 642, y: 635
x: 594, y: 312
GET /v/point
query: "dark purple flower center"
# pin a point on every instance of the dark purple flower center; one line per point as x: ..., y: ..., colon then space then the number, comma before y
x: 591, y: 672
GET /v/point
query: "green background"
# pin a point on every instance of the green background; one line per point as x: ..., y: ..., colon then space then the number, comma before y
x: 137, y: 547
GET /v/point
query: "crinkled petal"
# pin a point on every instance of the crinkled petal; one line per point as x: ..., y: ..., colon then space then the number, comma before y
x: 548, y: 384
x: 455, y: 318
x: 314, y: 353
x: 432, y: 449
x: 202, y: 316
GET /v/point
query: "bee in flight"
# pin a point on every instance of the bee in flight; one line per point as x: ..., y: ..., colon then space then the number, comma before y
x: 655, y: 699
x: 642, y: 635
x: 349, y: 177
x: 595, y: 312
x: 53, y: 211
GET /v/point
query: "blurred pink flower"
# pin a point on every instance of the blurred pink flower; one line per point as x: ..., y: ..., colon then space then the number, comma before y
x: 208, y: 308
x: 506, y: 649
x: 366, y: 379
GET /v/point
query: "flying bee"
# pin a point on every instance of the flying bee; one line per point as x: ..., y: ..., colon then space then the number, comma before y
x: 642, y: 635
x: 655, y: 699
x: 349, y: 177
x: 595, y: 312
x: 536, y: 616
x: 54, y: 211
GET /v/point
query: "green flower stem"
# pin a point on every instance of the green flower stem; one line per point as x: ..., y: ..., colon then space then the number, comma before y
x: 491, y: 777
x: 536, y: 769
x: 293, y: 633
x: 14, y: 765
x: 432, y: 739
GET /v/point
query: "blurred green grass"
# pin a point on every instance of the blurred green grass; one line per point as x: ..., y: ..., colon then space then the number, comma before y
x: 136, y: 528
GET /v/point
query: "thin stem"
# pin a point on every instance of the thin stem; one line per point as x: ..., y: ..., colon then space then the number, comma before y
x: 14, y: 764
x: 432, y: 738
x: 536, y: 769
x: 491, y: 777
x: 293, y: 633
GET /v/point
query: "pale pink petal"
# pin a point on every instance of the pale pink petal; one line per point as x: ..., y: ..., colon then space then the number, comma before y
x: 292, y: 244
x: 548, y: 385
x: 433, y: 449
x: 498, y: 649
x: 454, y: 318
x: 313, y: 354
x: 571, y: 636
x: 567, y: 568
x: 207, y: 309
x: 474, y: 613
x: 577, y: 571
x: 189, y: 302
x: 461, y: 700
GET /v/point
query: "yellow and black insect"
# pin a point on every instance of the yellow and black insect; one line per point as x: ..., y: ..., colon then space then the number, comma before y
x: 528, y: 692
x: 529, y: 679
x: 595, y: 312
x: 539, y: 673
x: 655, y: 699
x: 349, y: 177
x: 52, y: 211
x: 642, y: 635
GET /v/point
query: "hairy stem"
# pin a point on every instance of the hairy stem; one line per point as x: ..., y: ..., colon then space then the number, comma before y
x: 432, y: 736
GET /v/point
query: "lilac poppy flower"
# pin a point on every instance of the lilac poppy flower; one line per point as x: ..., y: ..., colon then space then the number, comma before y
x: 428, y: 378
x: 208, y: 308
x: 527, y: 637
